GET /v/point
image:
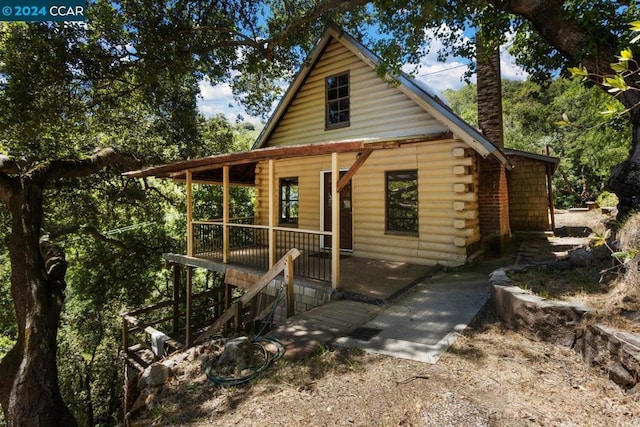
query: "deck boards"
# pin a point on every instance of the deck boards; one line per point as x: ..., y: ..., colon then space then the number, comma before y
x: 303, y: 333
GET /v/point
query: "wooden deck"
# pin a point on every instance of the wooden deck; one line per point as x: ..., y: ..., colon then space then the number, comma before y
x: 369, y: 280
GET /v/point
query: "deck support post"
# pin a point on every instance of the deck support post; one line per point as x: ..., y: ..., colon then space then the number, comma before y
x: 288, y: 279
x: 225, y: 215
x: 187, y: 334
x: 176, y: 298
x: 335, y: 222
x: 189, y: 214
x: 272, y: 213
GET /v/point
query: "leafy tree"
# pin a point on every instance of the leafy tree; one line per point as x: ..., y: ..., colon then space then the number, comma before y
x: 78, y: 105
x: 589, y: 144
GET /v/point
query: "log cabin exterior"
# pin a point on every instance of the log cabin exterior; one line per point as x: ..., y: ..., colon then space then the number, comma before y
x: 406, y: 170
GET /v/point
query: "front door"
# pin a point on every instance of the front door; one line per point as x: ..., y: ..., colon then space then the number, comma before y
x: 346, y: 226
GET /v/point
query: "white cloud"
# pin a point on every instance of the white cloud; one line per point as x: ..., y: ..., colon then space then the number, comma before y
x: 208, y: 92
x: 218, y: 99
x: 508, y: 67
x: 450, y: 73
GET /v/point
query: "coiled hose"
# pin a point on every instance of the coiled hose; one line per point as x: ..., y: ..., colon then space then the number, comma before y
x: 259, y: 342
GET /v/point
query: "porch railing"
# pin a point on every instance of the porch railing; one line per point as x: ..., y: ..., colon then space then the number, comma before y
x: 249, y: 245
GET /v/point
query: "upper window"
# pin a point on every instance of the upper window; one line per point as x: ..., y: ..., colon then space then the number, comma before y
x: 337, y: 110
x: 402, y: 202
x: 289, y: 200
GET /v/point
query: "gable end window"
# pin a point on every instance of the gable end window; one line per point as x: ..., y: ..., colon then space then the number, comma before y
x: 289, y: 201
x: 402, y: 202
x: 338, y: 105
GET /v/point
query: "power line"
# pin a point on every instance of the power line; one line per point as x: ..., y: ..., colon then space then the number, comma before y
x: 442, y: 71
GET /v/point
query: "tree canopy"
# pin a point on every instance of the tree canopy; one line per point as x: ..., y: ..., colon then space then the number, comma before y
x: 80, y: 103
x: 588, y: 144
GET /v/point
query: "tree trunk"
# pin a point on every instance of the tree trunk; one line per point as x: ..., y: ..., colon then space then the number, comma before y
x: 625, y: 178
x: 563, y: 31
x: 29, y: 389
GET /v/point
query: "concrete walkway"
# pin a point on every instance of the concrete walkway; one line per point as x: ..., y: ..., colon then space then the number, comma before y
x: 424, y: 322
x: 419, y: 325
x: 304, y: 333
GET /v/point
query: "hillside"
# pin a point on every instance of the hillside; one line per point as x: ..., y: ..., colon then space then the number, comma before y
x: 490, y: 377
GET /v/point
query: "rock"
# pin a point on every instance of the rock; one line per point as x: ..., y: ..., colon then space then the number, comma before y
x: 235, y: 351
x: 619, y: 375
x: 581, y: 257
x: 536, y: 317
x: 192, y: 353
x: 155, y: 375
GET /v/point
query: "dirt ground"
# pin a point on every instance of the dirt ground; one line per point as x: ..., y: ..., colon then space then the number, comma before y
x: 489, y: 377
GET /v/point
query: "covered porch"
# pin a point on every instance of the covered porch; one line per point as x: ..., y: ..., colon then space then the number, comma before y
x: 240, y: 241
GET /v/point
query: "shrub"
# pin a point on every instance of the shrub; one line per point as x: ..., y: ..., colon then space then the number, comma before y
x: 629, y: 238
x: 607, y: 199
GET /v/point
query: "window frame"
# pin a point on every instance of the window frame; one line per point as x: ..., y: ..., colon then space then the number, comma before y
x: 389, y: 229
x: 328, y: 102
x: 284, y: 199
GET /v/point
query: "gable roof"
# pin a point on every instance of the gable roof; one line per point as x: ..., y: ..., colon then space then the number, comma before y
x: 420, y: 93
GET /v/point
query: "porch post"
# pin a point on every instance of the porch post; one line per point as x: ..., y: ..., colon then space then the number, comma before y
x: 272, y: 213
x: 189, y: 214
x: 225, y: 214
x: 335, y: 222
x: 552, y: 214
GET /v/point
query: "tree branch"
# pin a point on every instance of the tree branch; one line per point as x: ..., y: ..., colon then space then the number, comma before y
x: 93, y: 232
x: 90, y: 230
x: 72, y: 168
x: 312, y: 15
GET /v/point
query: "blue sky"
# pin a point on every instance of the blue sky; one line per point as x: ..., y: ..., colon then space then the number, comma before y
x: 438, y: 75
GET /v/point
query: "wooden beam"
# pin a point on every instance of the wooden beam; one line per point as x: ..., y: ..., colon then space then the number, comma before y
x: 179, y: 168
x: 189, y: 214
x: 188, y: 311
x: 335, y: 223
x: 225, y: 215
x: 288, y: 279
x: 272, y: 213
x: 216, y: 162
x: 176, y: 297
x: 362, y: 157
x: 249, y: 294
x: 552, y: 213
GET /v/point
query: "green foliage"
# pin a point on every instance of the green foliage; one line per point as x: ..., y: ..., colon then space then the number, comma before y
x: 607, y: 199
x: 588, y: 144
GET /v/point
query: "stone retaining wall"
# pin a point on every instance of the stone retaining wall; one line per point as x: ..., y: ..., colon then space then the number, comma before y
x: 562, y: 323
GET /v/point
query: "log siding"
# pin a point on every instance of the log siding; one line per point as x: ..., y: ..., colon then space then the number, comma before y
x: 448, y: 223
x: 377, y: 109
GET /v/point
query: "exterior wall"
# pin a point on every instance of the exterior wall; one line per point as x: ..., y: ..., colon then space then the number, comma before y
x: 377, y: 109
x: 493, y: 196
x: 528, y: 197
x: 448, y: 202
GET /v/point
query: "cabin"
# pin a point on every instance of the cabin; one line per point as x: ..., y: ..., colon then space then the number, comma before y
x: 354, y: 166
